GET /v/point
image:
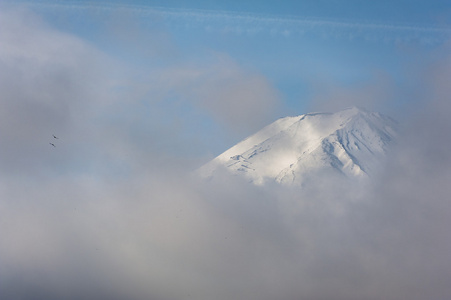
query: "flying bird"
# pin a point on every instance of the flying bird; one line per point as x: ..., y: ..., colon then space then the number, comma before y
x: 55, y: 137
x: 52, y: 144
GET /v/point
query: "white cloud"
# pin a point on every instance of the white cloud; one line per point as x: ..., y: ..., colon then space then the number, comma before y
x: 112, y: 219
x: 239, y: 99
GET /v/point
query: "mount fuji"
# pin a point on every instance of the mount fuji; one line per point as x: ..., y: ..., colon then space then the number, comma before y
x: 351, y: 143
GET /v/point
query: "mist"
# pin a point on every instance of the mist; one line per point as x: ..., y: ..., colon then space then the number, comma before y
x: 114, y: 211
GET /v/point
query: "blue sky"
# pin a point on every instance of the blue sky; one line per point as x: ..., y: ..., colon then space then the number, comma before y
x: 301, y: 48
x: 141, y: 93
x: 214, y: 72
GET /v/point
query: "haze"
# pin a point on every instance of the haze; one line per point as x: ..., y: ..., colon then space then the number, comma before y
x: 140, y: 94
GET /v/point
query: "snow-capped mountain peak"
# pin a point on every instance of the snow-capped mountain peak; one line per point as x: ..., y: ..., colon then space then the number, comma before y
x: 351, y: 142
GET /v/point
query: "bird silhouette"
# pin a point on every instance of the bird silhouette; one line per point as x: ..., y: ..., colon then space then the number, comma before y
x: 52, y: 145
x: 55, y: 137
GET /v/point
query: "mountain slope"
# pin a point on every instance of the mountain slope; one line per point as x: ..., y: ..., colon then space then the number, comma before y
x: 351, y: 142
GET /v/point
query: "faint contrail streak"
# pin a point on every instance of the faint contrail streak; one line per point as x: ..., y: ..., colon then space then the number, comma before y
x: 250, y: 23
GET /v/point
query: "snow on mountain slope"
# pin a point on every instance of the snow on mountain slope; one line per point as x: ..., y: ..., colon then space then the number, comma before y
x: 351, y: 142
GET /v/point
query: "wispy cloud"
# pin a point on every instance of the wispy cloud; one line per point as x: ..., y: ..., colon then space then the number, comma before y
x: 234, y: 22
x: 107, y: 216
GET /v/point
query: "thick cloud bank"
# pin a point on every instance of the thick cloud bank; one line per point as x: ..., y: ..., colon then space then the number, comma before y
x: 109, y: 215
